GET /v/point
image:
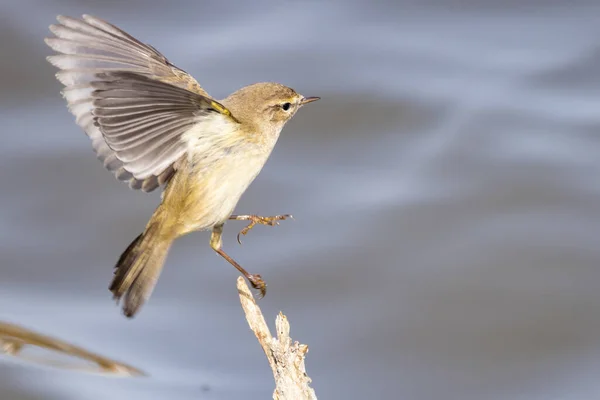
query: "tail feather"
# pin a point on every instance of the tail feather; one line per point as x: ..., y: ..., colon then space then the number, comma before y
x: 138, y: 269
x: 120, y: 282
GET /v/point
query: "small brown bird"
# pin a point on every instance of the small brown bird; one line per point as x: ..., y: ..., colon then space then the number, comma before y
x: 152, y: 124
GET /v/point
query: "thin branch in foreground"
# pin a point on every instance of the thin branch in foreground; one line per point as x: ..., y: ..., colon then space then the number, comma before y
x: 14, y: 339
x: 285, y: 358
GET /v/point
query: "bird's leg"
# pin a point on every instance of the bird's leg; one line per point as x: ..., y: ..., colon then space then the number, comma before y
x: 255, y: 279
x: 256, y: 219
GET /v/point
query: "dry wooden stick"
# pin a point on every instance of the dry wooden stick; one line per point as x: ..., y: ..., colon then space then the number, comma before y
x: 286, y: 358
x: 15, y: 338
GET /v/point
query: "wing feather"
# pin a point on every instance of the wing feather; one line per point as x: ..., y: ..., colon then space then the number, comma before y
x: 151, y: 119
x: 129, y: 99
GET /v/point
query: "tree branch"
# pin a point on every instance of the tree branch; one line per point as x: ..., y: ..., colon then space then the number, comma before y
x: 285, y: 358
x: 14, y: 339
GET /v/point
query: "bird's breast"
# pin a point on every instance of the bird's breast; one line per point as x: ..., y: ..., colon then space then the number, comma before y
x: 215, y: 182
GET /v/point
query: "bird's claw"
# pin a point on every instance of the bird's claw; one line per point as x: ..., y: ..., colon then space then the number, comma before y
x: 256, y: 219
x: 258, y: 283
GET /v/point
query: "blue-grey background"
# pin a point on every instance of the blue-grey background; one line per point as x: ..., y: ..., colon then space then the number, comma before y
x: 446, y: 191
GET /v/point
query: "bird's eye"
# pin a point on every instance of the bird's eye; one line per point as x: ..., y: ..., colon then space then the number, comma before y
x: 286, y: 106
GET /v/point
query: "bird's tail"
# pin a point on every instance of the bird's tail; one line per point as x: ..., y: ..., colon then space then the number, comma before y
x: 139, y: 267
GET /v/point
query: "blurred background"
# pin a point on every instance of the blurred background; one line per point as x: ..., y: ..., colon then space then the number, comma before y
x: 445, y: 190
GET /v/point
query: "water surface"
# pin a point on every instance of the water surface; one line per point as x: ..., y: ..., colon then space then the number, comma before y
x: 445, y: 190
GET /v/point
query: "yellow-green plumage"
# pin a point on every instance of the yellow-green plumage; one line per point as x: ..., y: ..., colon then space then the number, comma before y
x: 152, y: 124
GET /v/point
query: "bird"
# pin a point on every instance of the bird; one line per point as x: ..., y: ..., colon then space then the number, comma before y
x: 153, y: 126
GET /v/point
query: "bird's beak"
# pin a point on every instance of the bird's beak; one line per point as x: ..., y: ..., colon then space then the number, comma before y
x: 307, y: 100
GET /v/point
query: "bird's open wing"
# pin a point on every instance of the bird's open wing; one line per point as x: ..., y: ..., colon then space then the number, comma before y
x: 131, y: 101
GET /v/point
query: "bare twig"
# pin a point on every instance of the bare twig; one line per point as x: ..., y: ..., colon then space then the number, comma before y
x: 286, y: 358
x: 14, y: 339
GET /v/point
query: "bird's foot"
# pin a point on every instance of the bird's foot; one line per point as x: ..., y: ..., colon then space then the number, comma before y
x: 258, y: 283
x: 258, y: 220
